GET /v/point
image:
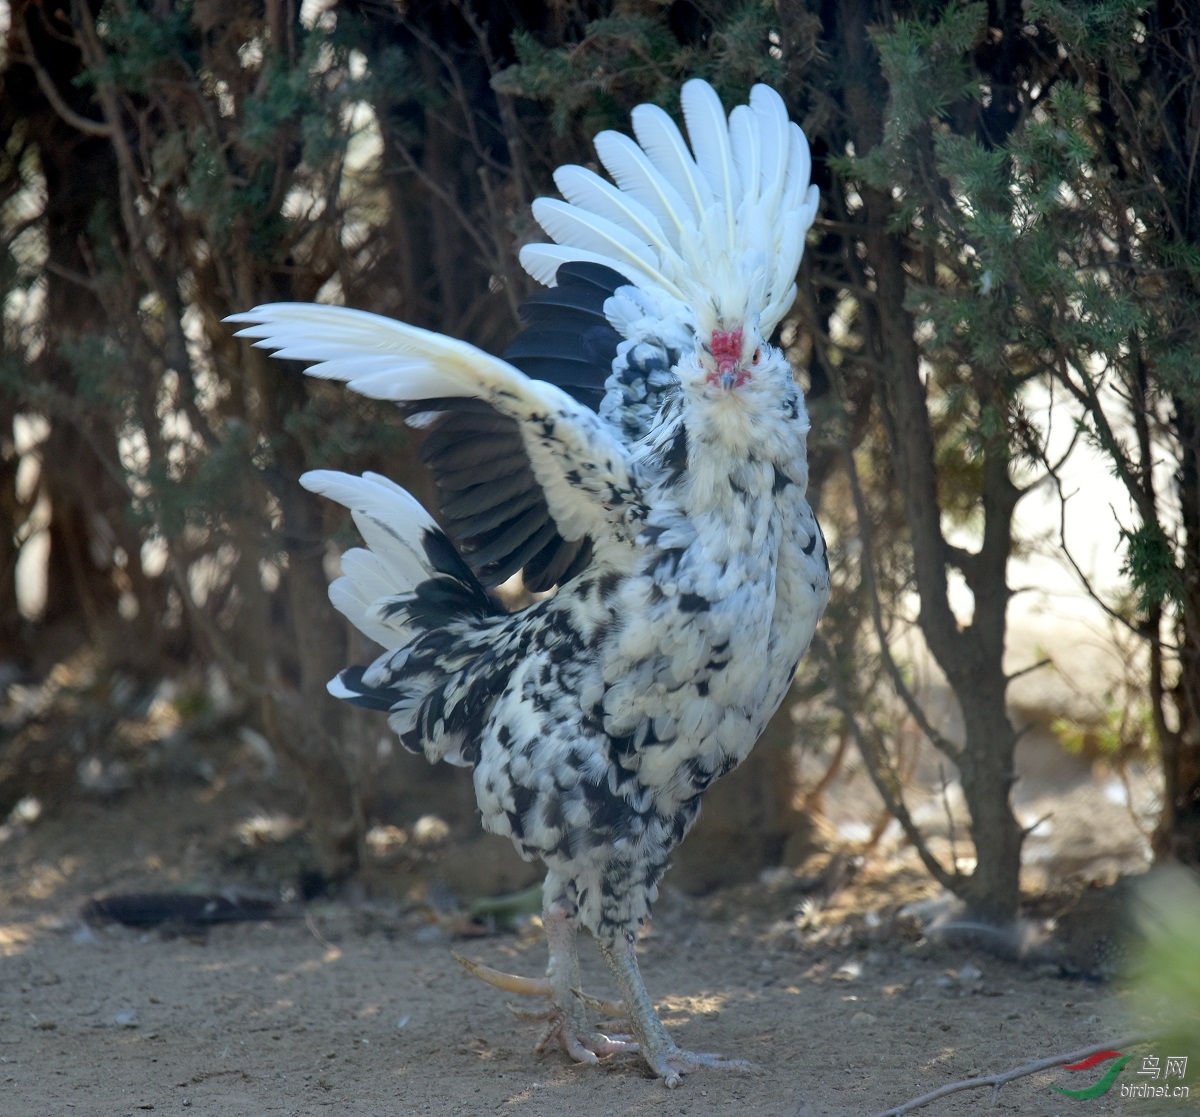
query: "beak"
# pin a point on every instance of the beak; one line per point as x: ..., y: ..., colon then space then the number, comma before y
x: 729, y: 376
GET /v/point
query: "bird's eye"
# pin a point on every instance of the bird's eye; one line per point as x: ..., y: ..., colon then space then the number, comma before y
x: 757, y: 356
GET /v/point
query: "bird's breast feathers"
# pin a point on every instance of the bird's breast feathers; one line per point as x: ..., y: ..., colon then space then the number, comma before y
x: 683, y: 656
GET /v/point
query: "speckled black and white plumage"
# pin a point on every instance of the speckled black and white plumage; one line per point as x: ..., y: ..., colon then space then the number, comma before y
x: 654, y: 471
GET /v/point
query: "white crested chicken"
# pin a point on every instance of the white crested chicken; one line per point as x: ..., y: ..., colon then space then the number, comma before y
x: 640, y: 447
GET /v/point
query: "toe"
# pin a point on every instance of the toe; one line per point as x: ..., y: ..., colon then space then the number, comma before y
x: 672, y: 1063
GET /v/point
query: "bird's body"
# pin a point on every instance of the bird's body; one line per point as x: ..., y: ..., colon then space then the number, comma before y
x: 634, y: 687
x: 663, y: 492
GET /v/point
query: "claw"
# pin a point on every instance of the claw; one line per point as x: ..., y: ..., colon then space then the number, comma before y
x: 530, y: 1017
x: 534, y: 987
x: 510, y: 983
x: 607, y: 1009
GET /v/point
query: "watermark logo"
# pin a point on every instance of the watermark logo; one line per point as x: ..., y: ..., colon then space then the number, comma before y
x: 1153, y: 1068
x: 1105, y: 1083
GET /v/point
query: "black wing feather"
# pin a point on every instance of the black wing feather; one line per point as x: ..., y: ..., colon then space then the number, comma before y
x: 567, y: 340
x: 492, y: 505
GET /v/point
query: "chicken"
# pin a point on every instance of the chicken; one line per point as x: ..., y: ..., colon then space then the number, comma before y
x: 641, y: 447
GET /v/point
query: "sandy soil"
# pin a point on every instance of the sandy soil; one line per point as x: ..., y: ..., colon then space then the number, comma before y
x: 356, y: 1007
x: 354, y: 1012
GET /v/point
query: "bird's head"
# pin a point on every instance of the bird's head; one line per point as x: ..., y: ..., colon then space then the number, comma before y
x: 729, y: 356
x: 733, y: 359
x: 733, y: 362
x: 738, y: 391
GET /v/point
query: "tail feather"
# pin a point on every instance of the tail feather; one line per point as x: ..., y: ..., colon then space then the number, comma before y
x: 709, y: 132
x: 412, y: 593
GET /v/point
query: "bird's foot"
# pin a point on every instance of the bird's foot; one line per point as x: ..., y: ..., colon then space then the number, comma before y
x: 671, y: 1062
x: 663, y: 1055
x: 565, y: 1025
x: 565, y: 1029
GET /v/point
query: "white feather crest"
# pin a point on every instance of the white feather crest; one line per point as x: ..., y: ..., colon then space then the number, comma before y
x: 719, y: 226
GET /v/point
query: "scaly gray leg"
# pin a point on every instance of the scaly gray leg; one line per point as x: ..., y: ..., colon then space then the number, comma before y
x: 566, y: 1023
x: 668, y: 1060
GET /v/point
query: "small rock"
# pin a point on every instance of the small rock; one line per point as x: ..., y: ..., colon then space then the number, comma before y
x: 848, y: 971
x: 430, y: 830
x: 862, y: 1018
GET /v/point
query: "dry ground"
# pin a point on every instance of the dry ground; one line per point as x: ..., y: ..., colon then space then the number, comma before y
x: 359, y: 1009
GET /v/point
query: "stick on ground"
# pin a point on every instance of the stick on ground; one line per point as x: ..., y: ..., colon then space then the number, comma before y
x: 998, y: 1081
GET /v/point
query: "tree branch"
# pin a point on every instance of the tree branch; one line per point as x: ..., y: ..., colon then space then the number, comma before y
x: 46, y: 84
x: 875, y: 756
x: 940, y: 742
x: 998, y: 1081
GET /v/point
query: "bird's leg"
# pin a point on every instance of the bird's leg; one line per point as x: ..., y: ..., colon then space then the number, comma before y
x: 566, y: 1022
x: 666, y: 1058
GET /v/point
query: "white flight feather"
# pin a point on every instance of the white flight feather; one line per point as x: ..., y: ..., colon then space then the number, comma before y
x: 390, y: 521
x: 363, y: 568
x: 429, y: 366
x: 348, y: 599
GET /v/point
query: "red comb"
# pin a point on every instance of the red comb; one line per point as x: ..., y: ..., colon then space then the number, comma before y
x: 726, y: 346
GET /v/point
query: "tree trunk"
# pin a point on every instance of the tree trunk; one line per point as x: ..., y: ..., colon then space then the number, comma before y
x: 1178, y: 832
x: 971, y: 656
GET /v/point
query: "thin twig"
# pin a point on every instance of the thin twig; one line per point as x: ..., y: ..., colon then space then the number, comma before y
x: 945, y: 746
x: 879, y: 769
x: 46, y: 84
x: 1045, y: 662
x: 952, y: 830
x: 1027, y: 830
x: 997, y: 1081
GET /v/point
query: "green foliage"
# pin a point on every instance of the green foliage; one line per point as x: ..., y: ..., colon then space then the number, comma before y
x: 1151, y: 567
x: 1167, y: 974
x: 1124, y: 733
x: 926, y: 62
x: 144, y: 45
x: 628, y: 54
x: 1094, y: 29
x: 101, y: 369
x: 625, y: 58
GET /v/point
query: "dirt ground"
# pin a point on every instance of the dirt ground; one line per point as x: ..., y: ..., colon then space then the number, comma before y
x: 355, y: 1006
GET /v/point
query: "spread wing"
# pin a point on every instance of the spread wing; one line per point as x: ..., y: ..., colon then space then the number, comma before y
x: 530, y: 452
x: 529, y: 476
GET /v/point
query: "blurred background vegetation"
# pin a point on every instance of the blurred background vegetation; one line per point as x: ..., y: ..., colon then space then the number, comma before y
x: 1005, y: 275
